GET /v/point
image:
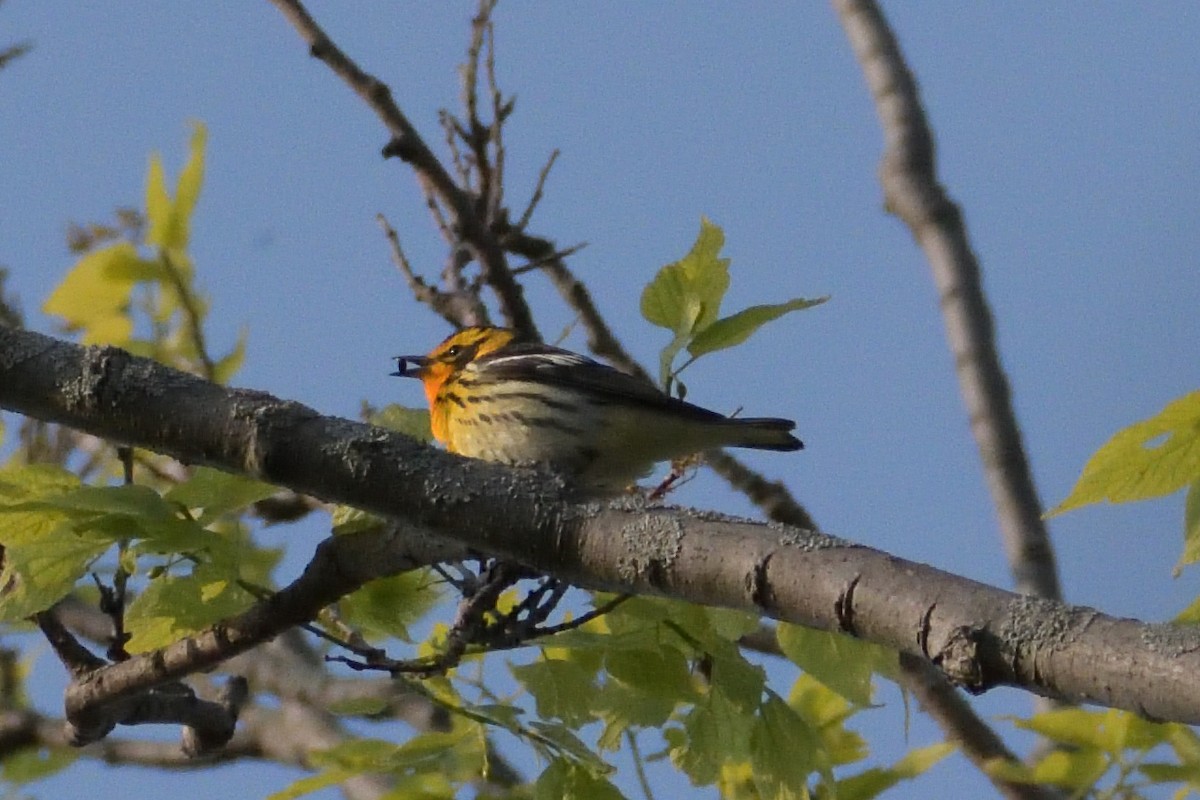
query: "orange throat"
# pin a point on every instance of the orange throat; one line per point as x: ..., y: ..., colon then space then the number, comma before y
x: 433, y: 381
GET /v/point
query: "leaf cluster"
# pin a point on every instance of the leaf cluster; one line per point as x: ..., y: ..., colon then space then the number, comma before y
x: 685, y: 298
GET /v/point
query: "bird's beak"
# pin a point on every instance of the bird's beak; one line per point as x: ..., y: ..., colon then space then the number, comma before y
x: 410, y: 366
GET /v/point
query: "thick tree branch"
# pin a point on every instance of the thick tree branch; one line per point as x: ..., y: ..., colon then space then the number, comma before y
x: 979, y: 635
x: 912, y: 192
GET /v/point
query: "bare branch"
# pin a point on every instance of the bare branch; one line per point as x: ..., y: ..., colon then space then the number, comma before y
x: 912, y: 192
x: 601, y: 341
x: 771, y: 496
x: 538, y: 190
x: 408, y: 145
x: 459, y: 308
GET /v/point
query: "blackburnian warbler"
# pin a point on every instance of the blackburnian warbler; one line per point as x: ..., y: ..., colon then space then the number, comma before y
x: 499, y: 400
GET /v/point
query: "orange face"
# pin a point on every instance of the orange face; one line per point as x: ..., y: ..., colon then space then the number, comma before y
x: 445, y: 361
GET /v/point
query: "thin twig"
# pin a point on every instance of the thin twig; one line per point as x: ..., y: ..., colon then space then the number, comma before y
x: 601, y: 341
x: 451, y: 128
x: 495, y: 198
x: 407, y: 145
x: 963, y: 727
x: 776, y: 502
x: 191, y: 313
x: 78, y: 660
x: 566, y: 252
x: 538, y: 191
x: 582, y: 619
x: 639, y: 766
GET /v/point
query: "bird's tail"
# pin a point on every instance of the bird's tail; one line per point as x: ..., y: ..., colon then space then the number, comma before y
x: 760, y: 433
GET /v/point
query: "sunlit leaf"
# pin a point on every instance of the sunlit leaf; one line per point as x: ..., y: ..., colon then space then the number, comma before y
x: 686, y: 296
x: 313, y: 783
x: 1077, y: 769
x: 827, y: 711
x: 41, y: 571
x: 228, y: 365
x: 1191, y: 527
x: 412, y: 422
x: 94, y: 296
x: 215, y: 493
x: 170, y: 220
x: 737, y: 328
x: 875, y: 781
x: 1151, y: 458
x: 175, y: 606
x: 191, y: 179
x: 158, y: 203
x: 385, y: 607
x: 842, y: 663
x: 1075, y: 727
x: 347, y: 519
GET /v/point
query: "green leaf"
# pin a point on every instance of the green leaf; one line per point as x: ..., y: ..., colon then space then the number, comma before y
x: 412, y: 422
x: 564, y: 780
x: 714, y: 731
x: 457, y: 754
x: 1151, y: 458
x: 686, y: 296
x: 41, y: 570
x: 33, y: 764
x: 117, y: 513
x: 175, y: 606
x: 842, y: 663
x: 736, y: 678
x: 347, y: 519
x: 385, y: 607
x: 661, y: 671
x: 783, y: 750
x: 1078, y: 769
x: 827, y: 712
x: 565, y: 742
x: 1159, y: 772
x: 875, y: 781
x: 313, y: 783
x: 158, y: 202
x: 737, y: 328
x: 187, y: 192
x: 562, y: 689
x: 1189, y: 615
x: 644, y: 688
x: 1078, y: 728
x: 1186, y: 744
x: 131, y: 500
x: 217, y: 493
x: 170, y: 222
x: 24, y: 484
x: 228, y: 365
x: 1191, y: 528
x: 359, y: 706
x: 94, y: 296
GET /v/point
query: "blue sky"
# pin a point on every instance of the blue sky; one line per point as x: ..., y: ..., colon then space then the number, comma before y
x: 1067, y: 133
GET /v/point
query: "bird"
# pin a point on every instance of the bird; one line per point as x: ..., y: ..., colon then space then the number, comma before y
x: 494, y: 397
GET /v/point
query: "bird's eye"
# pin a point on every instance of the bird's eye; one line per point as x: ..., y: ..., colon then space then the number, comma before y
x: 455, y: 351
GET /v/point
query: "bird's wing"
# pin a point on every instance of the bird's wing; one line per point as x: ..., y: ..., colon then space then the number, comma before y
x: 539, y: 363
